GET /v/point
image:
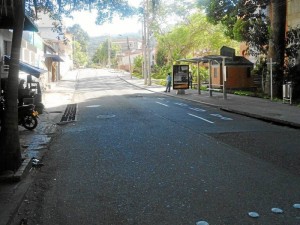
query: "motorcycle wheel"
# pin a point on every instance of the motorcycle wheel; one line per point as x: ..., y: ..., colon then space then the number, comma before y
x: 30, y: 122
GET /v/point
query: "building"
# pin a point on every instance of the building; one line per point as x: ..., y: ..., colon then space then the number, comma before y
x: 129, y: 49
x: 56, y: 47
x: 238, y: 71
x: 293, y: 13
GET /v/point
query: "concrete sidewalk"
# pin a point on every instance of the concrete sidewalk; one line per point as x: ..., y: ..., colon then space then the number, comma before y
x: 34, y: 144
x: 263, y: 109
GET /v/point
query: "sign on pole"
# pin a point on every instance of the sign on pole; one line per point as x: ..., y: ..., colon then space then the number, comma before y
x: 180, y: 77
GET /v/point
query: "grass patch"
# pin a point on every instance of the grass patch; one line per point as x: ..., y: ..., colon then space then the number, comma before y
x: 250, y: 94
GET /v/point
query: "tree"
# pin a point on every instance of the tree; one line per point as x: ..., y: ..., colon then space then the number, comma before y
x: 101, y: 54
x: 80, y: 36
x: 10, y: 153
x: 277, y: 41
x: 138, y: 64
x: 80, y: 43
x: 80, y: 56
x: 193, y: 37
x: 248, y: 21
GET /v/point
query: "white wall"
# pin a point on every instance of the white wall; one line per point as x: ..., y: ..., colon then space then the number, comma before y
x: 293, y: 18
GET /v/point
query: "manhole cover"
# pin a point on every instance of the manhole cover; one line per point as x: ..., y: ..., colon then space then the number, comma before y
x: 105, y: 116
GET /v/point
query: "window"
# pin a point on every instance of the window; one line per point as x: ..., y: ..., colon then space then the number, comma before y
x: 215, y: 72
x: 7, y: 47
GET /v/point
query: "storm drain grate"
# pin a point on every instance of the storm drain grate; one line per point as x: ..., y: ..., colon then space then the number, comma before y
x: 70, y: 113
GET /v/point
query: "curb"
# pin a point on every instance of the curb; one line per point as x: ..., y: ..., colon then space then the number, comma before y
x: 19, y: 174
x: 251, y: 115
x: 263, y: 118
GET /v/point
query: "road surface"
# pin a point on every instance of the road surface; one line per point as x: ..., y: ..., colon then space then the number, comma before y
x: 137, y: 157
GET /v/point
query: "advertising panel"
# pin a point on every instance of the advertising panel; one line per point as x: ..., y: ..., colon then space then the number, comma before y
x: 180, y: 77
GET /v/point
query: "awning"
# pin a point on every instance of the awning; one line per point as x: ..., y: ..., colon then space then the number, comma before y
x: 27, y: 68
x: 55, y: 58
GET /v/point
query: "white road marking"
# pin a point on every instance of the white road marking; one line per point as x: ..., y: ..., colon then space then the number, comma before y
x: 198, y: 109
x: 162, y: 104
x: 181, y: 104
x: 93, y: 106
x: 208, y: 121
x: 221, y: 117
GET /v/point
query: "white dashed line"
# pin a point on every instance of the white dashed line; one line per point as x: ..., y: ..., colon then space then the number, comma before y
x: 198, y: 109
x: 181, y: 104
x: 221, y: 117
x: 208, y: 121
x: 162, y: 104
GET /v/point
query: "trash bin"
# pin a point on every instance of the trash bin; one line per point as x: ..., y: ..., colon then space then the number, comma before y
x: 287, y: 92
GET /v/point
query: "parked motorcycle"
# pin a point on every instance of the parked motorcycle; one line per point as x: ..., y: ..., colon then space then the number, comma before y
x: 27, y: 116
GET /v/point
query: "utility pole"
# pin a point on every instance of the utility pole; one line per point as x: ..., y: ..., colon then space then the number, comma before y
x: 271, y: 63
x: 148, y: 52
x: 144, y: 46
x: 73, y: 51
x: 108, y: 51
x: 129, y: 59
x: 224, y: 72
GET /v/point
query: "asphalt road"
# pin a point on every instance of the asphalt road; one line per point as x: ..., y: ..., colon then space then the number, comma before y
x: 135, y: 157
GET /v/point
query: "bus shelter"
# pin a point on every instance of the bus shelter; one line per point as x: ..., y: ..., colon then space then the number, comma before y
x: 197, y: 61
x: 209, y: 59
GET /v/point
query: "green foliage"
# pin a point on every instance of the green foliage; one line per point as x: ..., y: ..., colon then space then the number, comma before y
x: 195, y: 36
x: 239, y: 30
x: 79, y: 35
x: 251, y: 94
x: 244, y: 21
x: 80, y: 41
x: 101, y: 55
x: 106, y: 10
x: 80, y: 57
x: 138, y: 65
x: 162, y: 71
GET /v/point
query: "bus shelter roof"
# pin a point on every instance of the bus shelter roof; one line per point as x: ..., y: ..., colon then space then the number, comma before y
x: 205, y: 59
x: 193, y: 60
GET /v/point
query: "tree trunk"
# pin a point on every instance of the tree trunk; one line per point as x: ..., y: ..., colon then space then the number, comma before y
x: 277, y: 43
x: 10, y: 153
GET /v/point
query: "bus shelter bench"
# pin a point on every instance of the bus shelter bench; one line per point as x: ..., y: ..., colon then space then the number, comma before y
x: 215, y: 87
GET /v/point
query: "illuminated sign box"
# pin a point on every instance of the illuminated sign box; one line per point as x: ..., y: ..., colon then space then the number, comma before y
x: 180, y: 77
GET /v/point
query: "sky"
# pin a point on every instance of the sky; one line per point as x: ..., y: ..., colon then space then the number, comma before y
x: 87, y: 19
